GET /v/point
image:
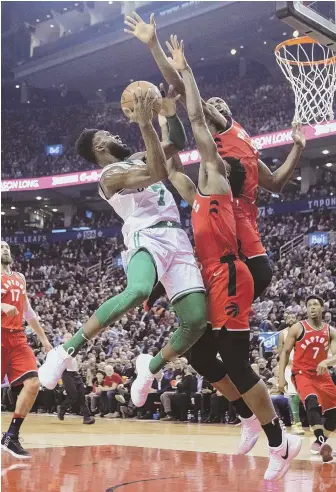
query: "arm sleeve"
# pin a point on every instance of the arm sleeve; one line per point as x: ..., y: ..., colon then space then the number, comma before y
x: 177, y: 135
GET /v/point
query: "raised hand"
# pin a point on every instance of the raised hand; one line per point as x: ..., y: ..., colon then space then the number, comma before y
x: 142, y: 107
x: 168, y: 101
x: 144, y: 32
x: 298, y: 136
x: 176, y: 50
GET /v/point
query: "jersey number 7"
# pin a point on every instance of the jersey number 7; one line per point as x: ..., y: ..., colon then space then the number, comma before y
x: 158, y: 188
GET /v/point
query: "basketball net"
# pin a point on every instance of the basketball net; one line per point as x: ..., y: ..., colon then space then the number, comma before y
x: 311, y: 70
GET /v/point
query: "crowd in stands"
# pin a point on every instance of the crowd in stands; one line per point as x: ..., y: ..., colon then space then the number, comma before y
x: 64, y: 293
x: 260, y: 105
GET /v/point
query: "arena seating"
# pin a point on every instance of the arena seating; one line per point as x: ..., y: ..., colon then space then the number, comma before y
x: 36, y: 126
x: 64, y: 292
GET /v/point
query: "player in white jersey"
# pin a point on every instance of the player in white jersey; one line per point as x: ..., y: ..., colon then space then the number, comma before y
x: 294, y: 400
x: 158, y: 249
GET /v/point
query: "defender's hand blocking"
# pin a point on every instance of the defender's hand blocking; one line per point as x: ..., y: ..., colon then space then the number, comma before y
x: 168, y: 101
x: 143, y: 107
x: 298, y: 136
x: 176, y: 50
x: 144, y: 32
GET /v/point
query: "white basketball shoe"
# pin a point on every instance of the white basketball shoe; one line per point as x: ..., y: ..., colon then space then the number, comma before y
x: 143, y: 383
x: 282, y: 456
x: 250, y: 429
x: 55, y: 364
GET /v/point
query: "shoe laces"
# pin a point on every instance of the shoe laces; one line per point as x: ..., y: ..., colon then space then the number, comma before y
x: 282, y: 425
x: 69, y: 352
x: 15, y: 438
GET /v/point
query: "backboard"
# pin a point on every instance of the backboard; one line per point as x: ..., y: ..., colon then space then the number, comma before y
x: 314, y: 19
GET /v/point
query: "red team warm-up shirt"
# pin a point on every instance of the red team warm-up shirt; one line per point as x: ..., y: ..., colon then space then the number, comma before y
x: 13, y: 292
x: 235, y: 142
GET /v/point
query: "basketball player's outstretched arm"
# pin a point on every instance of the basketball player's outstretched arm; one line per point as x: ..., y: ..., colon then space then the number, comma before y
x: 212, y: 167
x: 147, y: 34
x: 275, y: 182
x: 322, y: 367
x: 293, y: 334
x: 181, y: 182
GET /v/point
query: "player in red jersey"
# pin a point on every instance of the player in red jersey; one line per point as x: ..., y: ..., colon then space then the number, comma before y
x: 18, y: 361
x: 233, y: 141
x: 227, y: 279
x: 311, y: 340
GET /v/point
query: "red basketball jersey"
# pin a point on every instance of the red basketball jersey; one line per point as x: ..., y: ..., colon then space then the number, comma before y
x: 236, y: 142
x: 214, y: 227
x: 311, y: 349
x: 13, y: 290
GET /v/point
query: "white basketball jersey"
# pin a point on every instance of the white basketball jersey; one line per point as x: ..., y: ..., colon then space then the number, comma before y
x: 141, y: 208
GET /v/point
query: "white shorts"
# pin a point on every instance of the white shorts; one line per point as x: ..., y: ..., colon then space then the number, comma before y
x: 173, y: 256
x: 290, y: 386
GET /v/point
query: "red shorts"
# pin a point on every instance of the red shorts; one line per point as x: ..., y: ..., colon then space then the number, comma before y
x: 248, y: 236
x: 321, y: 386
x: 230, y: 294
x: 18, y: 361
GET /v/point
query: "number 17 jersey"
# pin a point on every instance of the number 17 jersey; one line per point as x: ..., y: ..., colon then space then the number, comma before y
x: 13, y: 290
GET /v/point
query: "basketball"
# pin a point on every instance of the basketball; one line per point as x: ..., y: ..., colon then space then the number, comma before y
x: 127, y: 99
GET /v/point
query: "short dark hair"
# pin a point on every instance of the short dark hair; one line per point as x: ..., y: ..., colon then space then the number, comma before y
x: 84, y: 145
x: 237, y: 175
x: 318, y: 298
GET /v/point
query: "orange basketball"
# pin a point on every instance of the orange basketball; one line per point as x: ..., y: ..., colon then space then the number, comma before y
x: 127, y: 99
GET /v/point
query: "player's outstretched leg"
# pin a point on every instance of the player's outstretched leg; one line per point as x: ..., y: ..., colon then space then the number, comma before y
x: 191, y: 310
x: 203, y: 358
x: 234, y: 348
x: 10, y: 440
x: 141, y: 276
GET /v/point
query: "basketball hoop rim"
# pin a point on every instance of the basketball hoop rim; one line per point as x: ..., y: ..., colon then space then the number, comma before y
x: 297, y: 41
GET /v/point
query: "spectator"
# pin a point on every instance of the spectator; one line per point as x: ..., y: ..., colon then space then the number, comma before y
x: 185, y: 388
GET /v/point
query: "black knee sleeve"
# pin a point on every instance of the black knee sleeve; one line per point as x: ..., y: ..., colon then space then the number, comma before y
x: 243, y: 377
x: 261, y: 272
x: 330, y: 420
x: 211, y: 369
x: 234, y: 351
x: 313, y: 410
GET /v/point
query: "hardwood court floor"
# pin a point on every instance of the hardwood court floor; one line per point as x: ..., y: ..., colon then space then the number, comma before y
x: 138, y: 456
